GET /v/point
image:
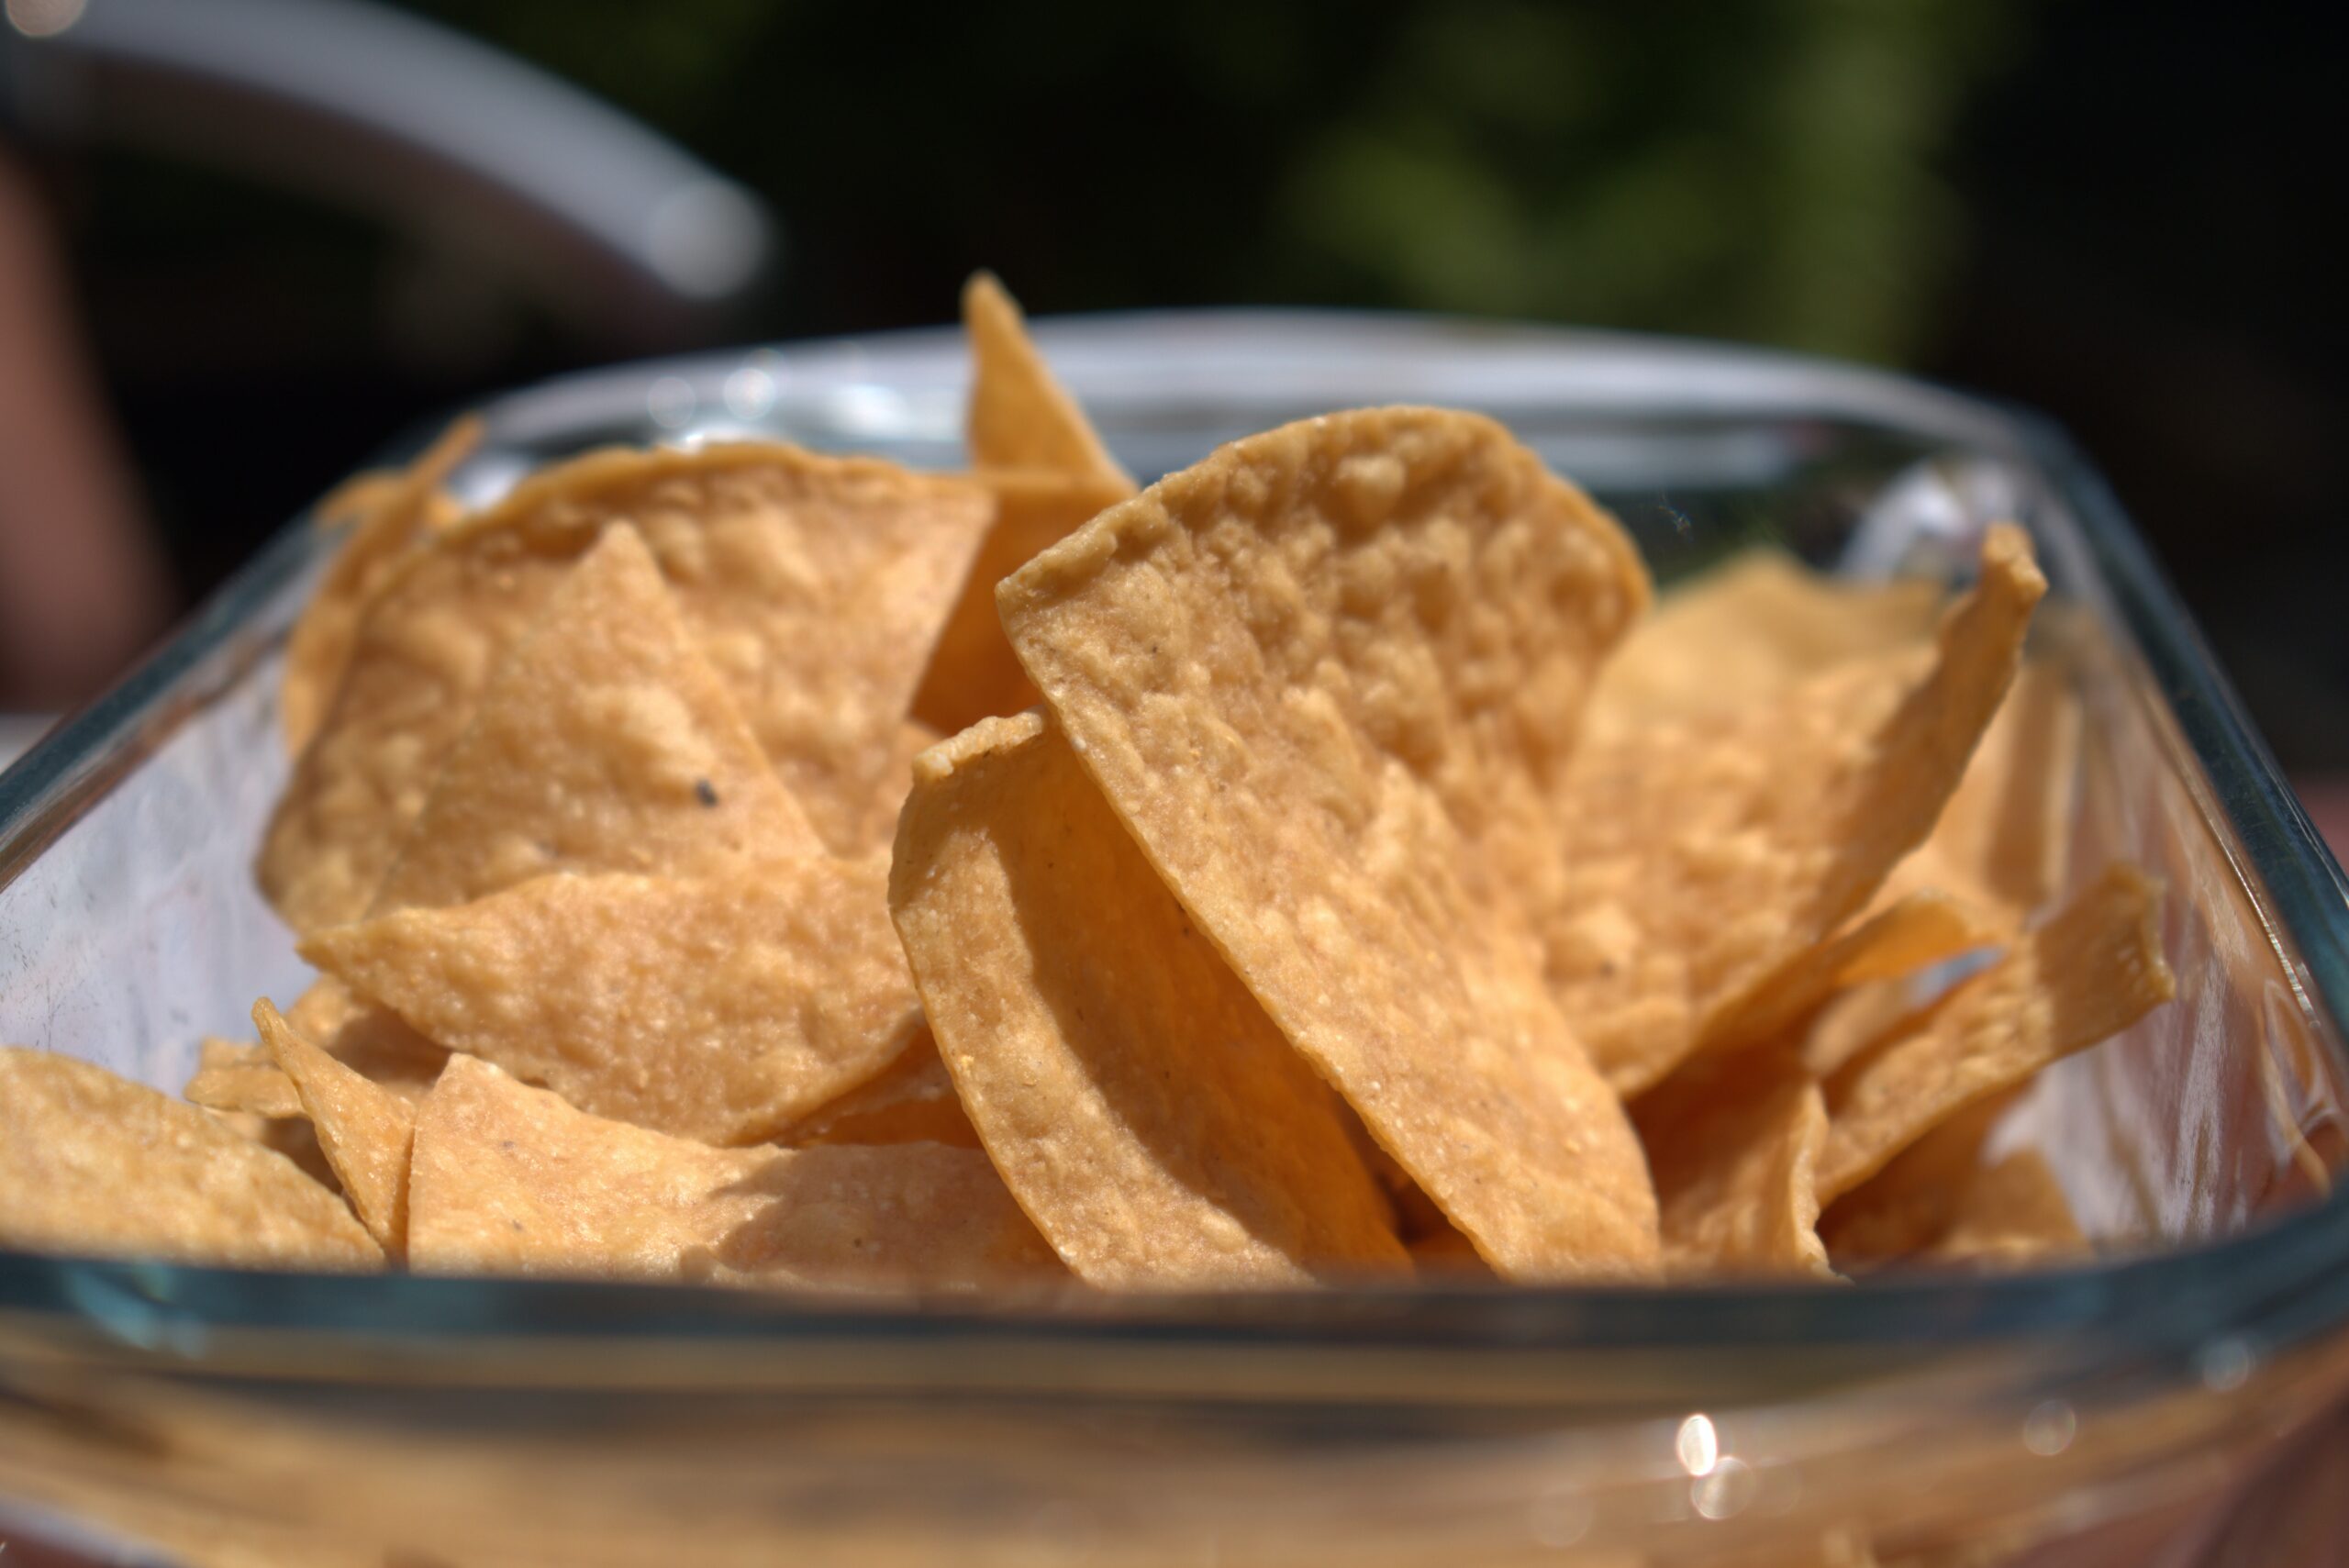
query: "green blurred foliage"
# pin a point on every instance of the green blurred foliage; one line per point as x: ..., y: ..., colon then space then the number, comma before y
x: 1753, y: 169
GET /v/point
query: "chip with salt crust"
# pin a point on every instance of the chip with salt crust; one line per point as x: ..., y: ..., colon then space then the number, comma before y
x: 1745, y: 631
x: 1703, y: 859
x: 603, y: 743
x: 722, y: 1007
x: 1319, y: 676
x: 92, y: 1164
x: 815, y: 585
x: 1733, y: 1142
x: 912, y: 1102
x: 1140, y: 1104
x: 2003, y: 840
x: 241, y: 1078
x: 364, y: 1131
x: 1019, y: 415
x: 1921, y: 930
x: 2089, y: 973
x: 386, y: 522
x: 508, y: 1179
x: 973, y: 672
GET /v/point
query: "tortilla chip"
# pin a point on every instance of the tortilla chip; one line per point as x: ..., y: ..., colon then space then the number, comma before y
x: 973, y: 672
x: 1703, y: 860
x: 2004, y: 837
x: 1850, y: 1021
x: 93, y: 1164
x: 239, y: 1077
x: 1913, y: 1201
x: 508, y: 1179
x: 1318, y: 676
x: 721, y: 1008
x: 388, y: 520
x: 1140, y: 1104
x: 1733, y: 1142
x: 912, y: 1102
x: 815, y: 585
x: 1921, y: 930
x: 603, y: 743
x: 364, y: 1131
x: 2012, y: 1215
x: 1020, y: 416
x: 1749, y: 631
x: 2091, y: 972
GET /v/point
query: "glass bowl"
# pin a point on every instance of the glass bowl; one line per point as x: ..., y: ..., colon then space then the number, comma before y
x: 2166, y: 1402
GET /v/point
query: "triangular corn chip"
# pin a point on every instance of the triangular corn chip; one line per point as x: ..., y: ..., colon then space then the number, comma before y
x: 1319, y: 676
x: 2012, y: 1215
x: 973, y: 672
x: 912, y: 1102
x: 603, y: 743
x: 508, y: 1179
x: 1746, y: 632
x: 386, y: 523
x: 1702, y: 860
x: 369, y: 1038
x: 1921, y: 930
x: 2003, y: 839
x: 95, y: 1164
x: 1140, y: 1104
x: 364, y: 1131
x: 722, y: 1007
x: 2091, y: 972
x: 1020, y: 416
x: 815, y: 585
x: 1733, y: 1142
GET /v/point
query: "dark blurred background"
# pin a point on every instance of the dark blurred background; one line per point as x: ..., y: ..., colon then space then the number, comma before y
x: 2112, y: 210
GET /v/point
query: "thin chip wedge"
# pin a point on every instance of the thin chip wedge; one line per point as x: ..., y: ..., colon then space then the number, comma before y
x: 1020, y: 415
x: 1145, y: 1112
x: 364, y: 1131
x: 2091, y: 972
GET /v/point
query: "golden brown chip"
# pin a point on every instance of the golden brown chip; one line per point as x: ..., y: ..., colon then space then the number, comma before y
x: 238, y: 1077
x: 722, y: 1007
x: 2003, y: 840
x: 508, y: 1179
x: 1319, y: 676
x: 1921, y: 930
x: 1733, y: 1142
x: 1140, y: 1104
x: 2012, y: 1215
x: 973, y: 672
x: 815, y: 585
x: 603, y: 743
x: 1915, y: 1198
x: 2087, y: 975
x: 1020, y: 416
x: 912, y: 1102
x: 387, y: 519
x: 1746, y: 632
x: 1850, y: 1021
x: 1704, y: 858
x: 364, y: 1131
x: 91, y: 1163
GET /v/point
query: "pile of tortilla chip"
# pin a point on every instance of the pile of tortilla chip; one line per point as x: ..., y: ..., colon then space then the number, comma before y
x: 1327, y: 865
